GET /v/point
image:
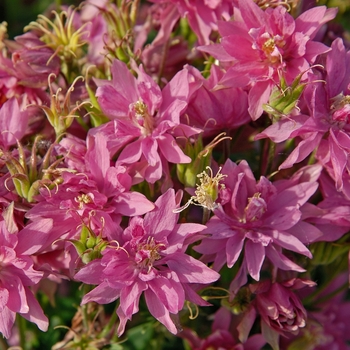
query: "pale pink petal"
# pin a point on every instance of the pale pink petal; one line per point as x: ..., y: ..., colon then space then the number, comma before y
x: 132, y: 203
x: 171, y: 150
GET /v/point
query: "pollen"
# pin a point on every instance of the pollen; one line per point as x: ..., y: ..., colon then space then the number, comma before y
x: 140, y: 108
x: 83, y: 199
x: 141, y: 117
x: 148, y: 253
x: 207, y: 191
x: 269, y: 46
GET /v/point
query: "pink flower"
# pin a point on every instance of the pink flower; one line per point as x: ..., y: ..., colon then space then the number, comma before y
x: 327, y: 129
x: 216, y: 111
x: 221, y: 336
x: 101, y: 192
x: 260, y: 218
x: 202, y: 16
x: 262, y: 43
x: 150, y: 259
x: 25, y: 75
x: 280, y: 309
x: 16, y: 276
x: 12, y: 128
x: 146, y: 120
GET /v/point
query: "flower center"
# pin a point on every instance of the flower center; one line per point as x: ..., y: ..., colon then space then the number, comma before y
x: 270, y: 47
x: 140, y: 116
x: 340, y: 109
x: 148, y: 253
x: 83, y: 199
x: 255, y: 208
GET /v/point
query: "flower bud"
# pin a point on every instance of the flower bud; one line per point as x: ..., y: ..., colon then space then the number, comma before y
x: 284, y: 98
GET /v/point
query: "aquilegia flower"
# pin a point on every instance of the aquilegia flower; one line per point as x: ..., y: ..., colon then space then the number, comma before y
x: 149, y: 259
x: 256, y: 217
x: 145, y: 120
x: 327, y: 128
x: 260, y: 44
x: 16, y: 276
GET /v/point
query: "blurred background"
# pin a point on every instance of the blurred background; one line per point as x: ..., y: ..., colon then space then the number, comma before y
x: 18, y: 13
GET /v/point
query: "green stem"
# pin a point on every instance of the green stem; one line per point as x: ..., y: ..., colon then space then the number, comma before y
x: 85, y: 315
x: 110, y: 323
x: 3, y: 344
x: 271, y: 157
x: 58, y: 5
x: 209, y: 62
x: 21, y: 324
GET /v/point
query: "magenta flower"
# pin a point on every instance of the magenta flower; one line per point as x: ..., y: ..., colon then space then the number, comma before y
x: 25, y: 75
x: 149, y: 259
x: 280, y: 309
x: 202, y: 16
x: 221, y: 336
x: 101, y: 192
x: 327, y: 128
x: 145, y: 119
x: 216, y: 111
x: 16, y: 276
x: 259, y: 218
x: 262, y: 43
x: 12, y: 128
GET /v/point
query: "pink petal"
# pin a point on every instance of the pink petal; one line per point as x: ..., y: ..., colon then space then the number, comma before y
x: 102, y: 294
x: 159, y: 311
x: 131, y: 153
x: 171, y: 150
x: 35, y: 314
x: 161, y: 221
x: 246, y: 324
x: 191, y: 270
x: 7, y: 319
x: 290, y: 242
x: 254, y: 255
x: 169, y: 292
x: 234, y: 247
x: 280, y: 261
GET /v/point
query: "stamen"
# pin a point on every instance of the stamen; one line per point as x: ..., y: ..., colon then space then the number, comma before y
x: 83, y: 199
x: 207, y: 190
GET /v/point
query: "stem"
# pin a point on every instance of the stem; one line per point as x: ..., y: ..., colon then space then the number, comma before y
x: 58, y: 5
x: 206, y: 215
x: 271, y: 157
x: 110, y: 323
x: 209, y: 63
x: 162, y: 63
x: 266, y: 164
x: 227, y: 148
x: 21, y: 324
x: 84, y: 312
x: 3, y: 344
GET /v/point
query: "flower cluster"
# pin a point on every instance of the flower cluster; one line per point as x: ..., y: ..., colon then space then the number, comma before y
x: 178, y: 172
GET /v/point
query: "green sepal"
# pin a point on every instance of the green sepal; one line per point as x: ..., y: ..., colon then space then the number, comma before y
x: 80, y: 247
